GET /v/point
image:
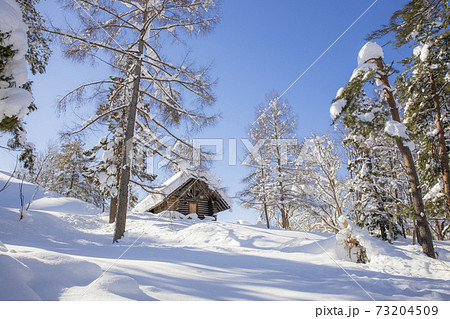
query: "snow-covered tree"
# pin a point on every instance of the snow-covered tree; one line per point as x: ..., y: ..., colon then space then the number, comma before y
x: 321, y: 191
x: 61, y: 169
x: 256, y: 194
x: 21, y: 42
x: 351, y: 107
x: 148, y: 82
x: 270, y: 185
x: 15, y: 97
x: 423, y: 88
x: 377, y: 183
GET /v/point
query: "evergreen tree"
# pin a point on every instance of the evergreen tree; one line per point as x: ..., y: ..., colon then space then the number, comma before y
x: 351, y: 103
x: 423, y: 89
x: 21, y: 41
x: 377, y: 184
x: 61, y: 169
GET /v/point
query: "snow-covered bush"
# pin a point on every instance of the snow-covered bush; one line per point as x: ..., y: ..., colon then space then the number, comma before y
x: 351, y: 242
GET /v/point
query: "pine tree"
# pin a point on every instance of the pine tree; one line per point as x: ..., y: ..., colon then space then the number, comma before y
x: 377, y: 183
x: 348, y: 106
x: 423, y: 89
x: 149, y: 87
x: 61, y: 169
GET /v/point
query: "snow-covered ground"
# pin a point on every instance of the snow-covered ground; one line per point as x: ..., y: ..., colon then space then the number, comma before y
x: 62, y: 250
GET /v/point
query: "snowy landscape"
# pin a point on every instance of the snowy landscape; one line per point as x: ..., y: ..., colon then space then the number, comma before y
x: 134, y: 168
x: 62, y: 250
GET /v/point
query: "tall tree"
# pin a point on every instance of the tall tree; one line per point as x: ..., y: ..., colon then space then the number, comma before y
x: 423, y: 88
x: 256, y: 194
x: 129, y: 36
x: 371, y: 68
x: 271, y: 183
x: 376, y: 181
x: 321, y: 191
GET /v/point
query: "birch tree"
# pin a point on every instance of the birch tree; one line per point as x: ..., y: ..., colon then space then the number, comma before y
x: 148, y: 86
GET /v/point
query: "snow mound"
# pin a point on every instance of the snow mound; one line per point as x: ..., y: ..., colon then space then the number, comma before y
x: 64, y: 204
x: 107, y: 287
x: 15, y: 286
x: 3, y: 247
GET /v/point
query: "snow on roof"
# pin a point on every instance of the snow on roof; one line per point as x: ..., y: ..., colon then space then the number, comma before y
x: 178, y: 180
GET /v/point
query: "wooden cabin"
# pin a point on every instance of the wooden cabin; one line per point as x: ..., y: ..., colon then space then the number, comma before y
x: 190, y: 191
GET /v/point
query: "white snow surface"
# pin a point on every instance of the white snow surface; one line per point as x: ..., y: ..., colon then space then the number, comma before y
x: 62, y: 250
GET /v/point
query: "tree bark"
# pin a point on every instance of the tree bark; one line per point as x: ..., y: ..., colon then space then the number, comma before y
x: 114, y: 200
x: 113, y: 209
x: 424, y: 237
x: 443, y: 154
x: 265, y: 198
x: 128, y: 145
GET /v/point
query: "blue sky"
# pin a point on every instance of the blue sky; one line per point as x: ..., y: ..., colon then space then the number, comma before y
x: 258, y: 47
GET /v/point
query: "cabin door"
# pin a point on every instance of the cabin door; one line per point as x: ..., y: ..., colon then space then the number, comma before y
x: 193, y: 207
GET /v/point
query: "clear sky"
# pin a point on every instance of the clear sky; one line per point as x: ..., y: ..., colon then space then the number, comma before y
x: 259, y: 46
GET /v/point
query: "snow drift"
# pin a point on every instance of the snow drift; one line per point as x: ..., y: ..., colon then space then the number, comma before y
x: 62, y: 250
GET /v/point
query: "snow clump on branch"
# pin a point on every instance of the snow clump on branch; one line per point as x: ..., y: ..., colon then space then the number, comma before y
x: 370, y: 51
x: 14, y: 101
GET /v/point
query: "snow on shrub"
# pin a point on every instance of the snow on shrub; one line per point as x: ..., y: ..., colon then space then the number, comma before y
x: 351, y: 242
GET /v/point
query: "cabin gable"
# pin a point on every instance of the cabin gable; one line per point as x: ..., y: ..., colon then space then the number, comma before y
x: 194, y: 196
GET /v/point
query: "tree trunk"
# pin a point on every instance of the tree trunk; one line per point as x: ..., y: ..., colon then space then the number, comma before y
x: 383, y: 232
x: 423, y: 229
x: 113, y: 209
x: 438, y: 230
x: 114, y: 200
x: 263, y: 175
x: 443, y: 154
x: 127, y: 147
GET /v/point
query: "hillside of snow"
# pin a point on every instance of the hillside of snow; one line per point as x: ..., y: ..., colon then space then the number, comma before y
x: 62, y: 250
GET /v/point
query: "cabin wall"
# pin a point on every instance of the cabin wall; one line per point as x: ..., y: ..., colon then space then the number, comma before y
x: 203, y: 207
x: 193, y: 191
x: 172, y: 204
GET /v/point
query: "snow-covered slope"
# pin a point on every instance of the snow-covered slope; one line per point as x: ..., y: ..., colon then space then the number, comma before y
x: 62, y: 250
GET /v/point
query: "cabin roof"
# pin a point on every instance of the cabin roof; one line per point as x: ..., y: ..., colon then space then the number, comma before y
x: 178, y: 180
